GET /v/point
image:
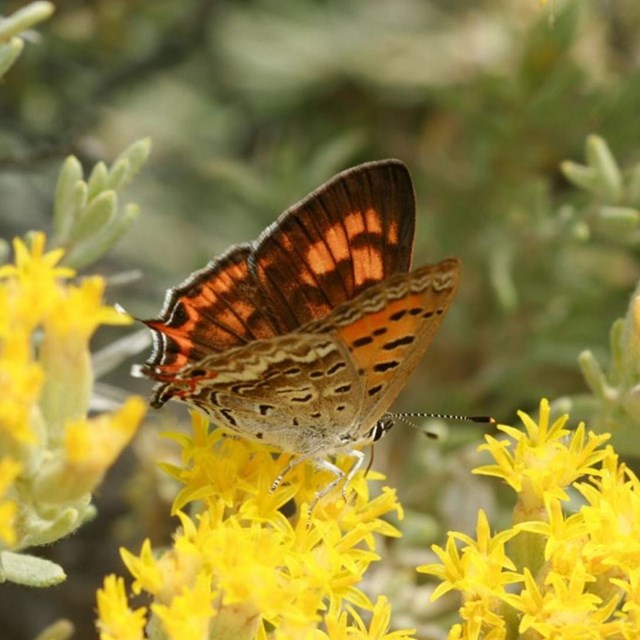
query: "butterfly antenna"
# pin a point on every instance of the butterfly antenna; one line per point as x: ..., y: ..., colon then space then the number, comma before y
x: 390, y: 419
x: 443, y: 416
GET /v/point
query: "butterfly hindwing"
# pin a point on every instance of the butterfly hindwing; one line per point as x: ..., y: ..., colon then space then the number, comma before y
x: 388, y: 329
x: 296, y: 392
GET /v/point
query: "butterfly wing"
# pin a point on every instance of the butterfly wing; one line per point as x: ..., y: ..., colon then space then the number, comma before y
x: 354, y: 231
x: 215, y: 309
x: 298, y: 392
x: 388, y: 329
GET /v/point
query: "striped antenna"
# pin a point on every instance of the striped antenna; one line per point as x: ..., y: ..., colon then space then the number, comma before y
x: 444, y: 416
x: 389, y: 419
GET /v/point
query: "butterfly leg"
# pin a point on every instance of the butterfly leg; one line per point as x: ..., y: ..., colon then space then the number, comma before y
x: 340, y: 475
x: 293, y: 463
x: 324, y: 464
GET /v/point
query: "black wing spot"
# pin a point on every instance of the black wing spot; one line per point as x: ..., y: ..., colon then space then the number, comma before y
x: 317, y: 415
x: 345, y: 388
x: 292, y: 371
x: 400, y: 342
x: 336, y: 367
x: 316, y: 374
x: 265, y: 408
x: 259, y: 435
x: 341, y: 407
x: 373, y: 390
x: 361, y: 342
x: 228, y: 414
x: 381, y: 367
x: 241, y: 387
x: 398, y: 315
x: 427, y: 314
x: 416, y: 311
x: 380, y: 331
x: 302, y: 398
x: 197, y: 373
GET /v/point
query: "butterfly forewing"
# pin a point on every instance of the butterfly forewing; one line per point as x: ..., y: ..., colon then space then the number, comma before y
x: 215, y: 309
x: 353, y: 232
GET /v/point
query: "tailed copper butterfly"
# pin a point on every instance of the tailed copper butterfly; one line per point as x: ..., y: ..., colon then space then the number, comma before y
x: 305, y: 337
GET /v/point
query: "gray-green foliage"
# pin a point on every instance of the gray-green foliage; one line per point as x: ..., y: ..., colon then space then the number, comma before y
x: 88, y: 219
x: 609, y: 215
x: 11, y: 28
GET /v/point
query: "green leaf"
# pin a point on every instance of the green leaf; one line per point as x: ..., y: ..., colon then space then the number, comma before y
x: 97, y: 181
x: 25, y: 18
x: 30, y: 571
x: 580, y: 176
x: 118, y: 174
x: 617, y: 222
x: 9, y: 52
x: 136, y: 155
x: 88, y: 251
x: 67, y: 198
x: 633, y: 186
x: 60, y: 630
x: 97, y: 215
x: 602, y: 161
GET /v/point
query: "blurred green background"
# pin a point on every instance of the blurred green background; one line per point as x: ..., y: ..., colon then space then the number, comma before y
x: 252, y: 104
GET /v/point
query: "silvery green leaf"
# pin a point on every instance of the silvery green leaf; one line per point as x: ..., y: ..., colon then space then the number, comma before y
x: 602, y: 161
x: 97, y: 181
x: 96, y: 216
x: 9, y: 52
x: 136, y: 155
x: 580, y: 176
x: 66, y: 197
x: 25, y: 18
x: 30, y: 571
x: 118, y: 174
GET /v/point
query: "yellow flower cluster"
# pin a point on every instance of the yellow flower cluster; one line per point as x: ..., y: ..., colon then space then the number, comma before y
x: 255, y: 563
x: 47, y: 443
x: 569, y: 567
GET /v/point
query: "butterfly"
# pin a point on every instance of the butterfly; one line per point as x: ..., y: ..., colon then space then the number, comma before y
x: 303, y: 338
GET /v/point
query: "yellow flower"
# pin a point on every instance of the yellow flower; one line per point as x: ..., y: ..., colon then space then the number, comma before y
x: 348, y: 625
x: 564, y: 605
x: 33, y: 280
x: 91, y: 445
x: 46, y: 378
x: 189, y: 615
x: 482, y: 570
x: 144, y: 569
x: 564, y: 536
x: 580, y: 573
x: 21, y: 381
x: 248, y: 565
x: 542, y: 464
x: 9, y: 470
x: 79, y: 311
x: 117, y: 621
